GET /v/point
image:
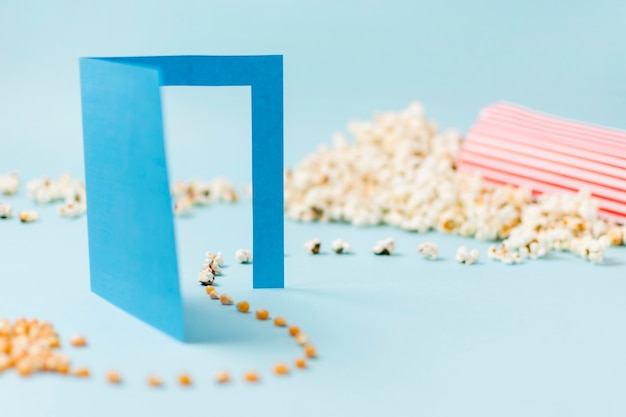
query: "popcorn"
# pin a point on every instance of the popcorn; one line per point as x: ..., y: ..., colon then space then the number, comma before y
x: 201, y: 193
x: 210, y: 268
x: 384, y: 247
x: 429, y: 250
x: 313, y: 246
x: 243, y: 256
x: 466, y: 257
x: 28, y: 216
x: 401, y: 171
x: 340, y: 246
x: 9, y: 183
x: 6, y: 211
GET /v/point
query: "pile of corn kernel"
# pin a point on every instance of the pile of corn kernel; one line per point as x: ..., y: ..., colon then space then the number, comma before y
x: 30, y: 346
x: 401, y: 171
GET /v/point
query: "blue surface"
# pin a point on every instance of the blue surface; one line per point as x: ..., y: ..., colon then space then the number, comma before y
x: 132, y: 246
x: 396, y: 336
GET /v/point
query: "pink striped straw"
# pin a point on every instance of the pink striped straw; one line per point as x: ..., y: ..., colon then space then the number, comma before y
x: 510, y: 144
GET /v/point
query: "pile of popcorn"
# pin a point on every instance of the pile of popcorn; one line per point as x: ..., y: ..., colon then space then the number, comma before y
x: 202, y: 193
x: 66, y: 190
x: 401, y: 171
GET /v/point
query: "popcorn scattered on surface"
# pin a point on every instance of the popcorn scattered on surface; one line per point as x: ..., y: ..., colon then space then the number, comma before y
x: 384, y: 247
x: 429, y: 250
x: 243, y: 256
x: 9, y: 183
x: 28, y: 216
x: 400, y: 171
x: 201, y: 193
x: 313, y: 246
x: 210, y: 268
x: 6, y: 211
x: 465, y: 256
x: 340, y: 246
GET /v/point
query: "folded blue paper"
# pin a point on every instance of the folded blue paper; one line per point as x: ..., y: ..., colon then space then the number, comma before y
x: 132, y: 248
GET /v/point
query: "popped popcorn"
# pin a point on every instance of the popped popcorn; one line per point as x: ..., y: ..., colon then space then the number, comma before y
x: 313, y: 246
x: 9, y: 183
x: 466, y: 257
x: 6, y: 211
x: 384, y: 247
x: 429, y: 250
x: 340, y: 246
x: 401, y: 171
x: 243, y: 256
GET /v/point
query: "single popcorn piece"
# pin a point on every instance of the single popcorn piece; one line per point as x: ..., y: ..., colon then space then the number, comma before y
x: 340, y: 246
x: 71, y: 210
x: 429, y: 250
x: 6, y: 211
x: 183, y: 206
x: 206, y: 276
x: 28, y: 216
x: 218, y: 258
x: 243, y: 256
x: 384, y: 247
x: 313, y: 246
x: 467, y: 257
x: 9, y: 183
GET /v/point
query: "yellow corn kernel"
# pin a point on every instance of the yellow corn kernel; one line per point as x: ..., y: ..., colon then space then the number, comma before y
x: 251, y: 377
x: 281, y: 369
x: 154, y: 381
x: 294, y: 330
x: 209, y: 289
x: 114, y: 377
x: 78, y: 341
x: 82, y: 372
x: 184, y: 379
x: 243, y: 306
x: 262, y: 314
x: 222, y: 377
x: 309, y: 351
x: 280, y: 322
x: 300, y: 363
x: 226, y: 299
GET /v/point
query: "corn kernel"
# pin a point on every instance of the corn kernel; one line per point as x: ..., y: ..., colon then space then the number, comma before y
x: 309, y: 351
x: 78, y: 341
x: 281, y: 369
x: 226, y: 299
x: 262, y: 314
x: 300, y: 363
x: 294, y: 330
x: 222, y: 377
x: 280, y: 322
x: 154, y: 381
x: 184, y: 379
x: 251, y: 377
x: 82, y: 372
x: 209, y: 289
x: 114, y: 377
x: 243, y: 306
x: 214, y: 295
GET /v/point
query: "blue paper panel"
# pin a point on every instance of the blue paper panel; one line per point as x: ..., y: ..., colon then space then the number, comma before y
x: 132, y: 247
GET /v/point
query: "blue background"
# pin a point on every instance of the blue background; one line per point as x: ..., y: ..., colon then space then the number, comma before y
x: 396, y: 335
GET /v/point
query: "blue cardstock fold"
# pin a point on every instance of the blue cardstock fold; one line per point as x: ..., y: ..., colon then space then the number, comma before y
x: 132, y: 248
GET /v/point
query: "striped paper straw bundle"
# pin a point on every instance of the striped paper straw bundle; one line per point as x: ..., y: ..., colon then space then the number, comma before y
x: 510, y: 144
